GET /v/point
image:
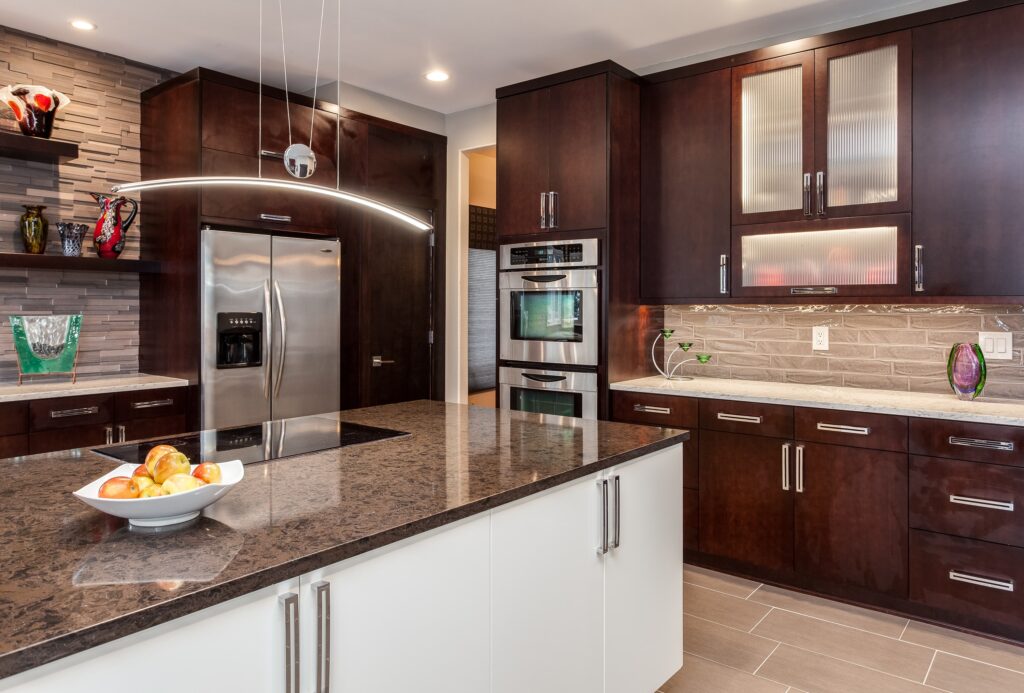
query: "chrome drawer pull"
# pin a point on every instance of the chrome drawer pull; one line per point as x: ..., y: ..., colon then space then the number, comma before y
x: 65, y: 413
x: 813, y: 290
x: 1004, y: 585
x: 1004, y: 445
x: 839, y: 428
x: 740, y: 418
x: 276, y: 217
x: 602, y: 487
x: 785, y: 466
x: 322, y: 590
x: 982, y: 503
x: 799, y: 468
x: 650, y: 409
x: 292, y: 660
x: 153, y: 404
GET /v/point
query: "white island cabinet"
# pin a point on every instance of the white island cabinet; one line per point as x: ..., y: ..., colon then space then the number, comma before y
x: 576, y: 589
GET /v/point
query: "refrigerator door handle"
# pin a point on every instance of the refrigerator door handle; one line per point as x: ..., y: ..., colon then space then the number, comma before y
x: 266, y: 339
x: 284, y: 338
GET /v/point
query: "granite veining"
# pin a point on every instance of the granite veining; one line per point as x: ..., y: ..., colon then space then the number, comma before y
x: 921, y: 404
x: 61, y: 386
x: 73, y: 578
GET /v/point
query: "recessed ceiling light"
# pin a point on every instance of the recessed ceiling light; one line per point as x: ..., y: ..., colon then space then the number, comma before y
x: 83, y: 24
x: 437, y: 76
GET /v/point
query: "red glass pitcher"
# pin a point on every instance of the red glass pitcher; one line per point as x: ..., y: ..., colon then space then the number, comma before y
x: 111, y: 230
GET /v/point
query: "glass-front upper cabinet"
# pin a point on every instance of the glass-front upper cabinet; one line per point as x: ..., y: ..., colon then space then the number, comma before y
x: 823, y: 133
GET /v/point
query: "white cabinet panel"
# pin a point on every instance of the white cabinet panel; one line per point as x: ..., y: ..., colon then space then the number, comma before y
x: 644, y: 575
x: 547, y: 584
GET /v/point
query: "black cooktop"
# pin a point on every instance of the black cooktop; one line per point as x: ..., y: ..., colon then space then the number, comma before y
x: 261, y: 442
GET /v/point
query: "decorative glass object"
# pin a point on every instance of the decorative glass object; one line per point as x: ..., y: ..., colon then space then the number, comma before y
x: 46, y: 344
x: 966, y: 370
x: 71, y: 235
x: 34, y: 107
x: 34, y: 229
x: 111, y: 230
x: 669, y: 371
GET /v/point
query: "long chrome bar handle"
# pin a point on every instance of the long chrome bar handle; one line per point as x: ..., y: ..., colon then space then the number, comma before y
x: 602, y: 487
x: 821, y: 193
x: 617, y: 523
x: 1001, y: 445
x: 739, y: 418
x: 982, y: 503
x: 290, y: 602
x: 785, y: 466
x: 723, y: 274
x: 807, y: 194
x: 322, y: 590
x: 981, y: 581
x: 651, y: 409
x: 109, y: 431
x: 553, y: 210
x: 918, y: 268
x: 543, y: 210
x: 122, y: 433
x: 842, y: 428
x: 799, y: 468
x: 284, y: 338
x: 266, y: 339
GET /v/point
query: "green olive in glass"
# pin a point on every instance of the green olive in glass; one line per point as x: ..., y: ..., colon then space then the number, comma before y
x: 34, y: 228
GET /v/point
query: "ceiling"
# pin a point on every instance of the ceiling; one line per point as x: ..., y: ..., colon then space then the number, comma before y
x: 388, y: 45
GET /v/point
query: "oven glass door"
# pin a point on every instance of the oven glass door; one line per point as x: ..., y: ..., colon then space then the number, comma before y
x: 547, y: 316
x: 557, y: 402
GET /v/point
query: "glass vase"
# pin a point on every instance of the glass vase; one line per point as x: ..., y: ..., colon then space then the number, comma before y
x: 34, y: 228
x: 966, y: 370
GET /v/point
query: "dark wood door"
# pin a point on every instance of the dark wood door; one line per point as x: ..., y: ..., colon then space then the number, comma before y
x: 522, y: 161
x: 684, y: 185
x: 969, y: 153
x: 851, y: 516
x: 70, y: 438
x: 578, y: 154
x: 745, y: 513
x: 12, y: 446
x: 773, y: 139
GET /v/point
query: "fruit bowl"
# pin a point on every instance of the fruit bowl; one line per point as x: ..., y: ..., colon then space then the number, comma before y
x: 161, y: 510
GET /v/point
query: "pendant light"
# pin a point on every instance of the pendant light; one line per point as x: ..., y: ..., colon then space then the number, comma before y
x: 299, y: 159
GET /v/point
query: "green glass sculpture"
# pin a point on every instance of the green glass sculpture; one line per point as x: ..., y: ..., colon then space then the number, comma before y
x: 46, y: 344
x: 669, y: 370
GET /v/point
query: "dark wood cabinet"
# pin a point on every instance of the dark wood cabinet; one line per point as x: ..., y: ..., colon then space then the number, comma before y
x: 851, y: 428
x: 13, y: 446
x: 71, y: 437
x: 13, y: 418
x: 663, y: 410
x: 69, y: 412
x: 522, y: 168
x: 685, y: 191
x: 851, y: 516
x: 752, y: 418
x: 966, y: 440
x: 969, y: 154
x: 152, y: 427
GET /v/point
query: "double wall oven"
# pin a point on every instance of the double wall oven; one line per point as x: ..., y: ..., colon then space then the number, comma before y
x: 548, y: 327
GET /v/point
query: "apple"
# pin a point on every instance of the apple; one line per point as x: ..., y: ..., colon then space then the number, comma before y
x: 118, y: 487
x: 142, y: 470
x: 153, y: 491
x: 170, y: 464
x: 208, y: 472
x: 155, y: 454
x: 140, y: 484
x: 179, y: 483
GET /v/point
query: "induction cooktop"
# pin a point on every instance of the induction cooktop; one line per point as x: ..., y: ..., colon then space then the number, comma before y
x: 260, y: 442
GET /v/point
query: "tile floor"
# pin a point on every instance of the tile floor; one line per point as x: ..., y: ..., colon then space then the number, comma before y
x: 744, y: 637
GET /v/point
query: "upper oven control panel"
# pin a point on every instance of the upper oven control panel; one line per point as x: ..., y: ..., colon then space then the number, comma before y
x: 581, y: 253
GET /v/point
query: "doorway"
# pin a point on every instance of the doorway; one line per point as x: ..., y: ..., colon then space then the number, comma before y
x: 482, y: 273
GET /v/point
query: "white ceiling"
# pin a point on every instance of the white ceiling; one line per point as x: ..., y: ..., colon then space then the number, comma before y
x: 387, y: 45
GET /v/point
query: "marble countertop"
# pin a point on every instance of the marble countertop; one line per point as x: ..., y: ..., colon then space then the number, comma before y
x: 920, y: 404
x: 73, y: 578
x: 43, y: 388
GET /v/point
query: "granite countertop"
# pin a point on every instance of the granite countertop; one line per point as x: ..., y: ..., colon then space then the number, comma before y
x: 43, y: 388
x: 73, y: 578
x: 920, y: 404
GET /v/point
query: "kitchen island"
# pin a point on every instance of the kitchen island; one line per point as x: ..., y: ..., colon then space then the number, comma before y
x: 486, y: 550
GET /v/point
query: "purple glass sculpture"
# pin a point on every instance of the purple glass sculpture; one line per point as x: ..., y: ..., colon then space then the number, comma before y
x: 966, y: 370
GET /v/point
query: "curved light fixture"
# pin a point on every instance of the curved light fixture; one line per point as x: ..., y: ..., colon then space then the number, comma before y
x: 162, y: 183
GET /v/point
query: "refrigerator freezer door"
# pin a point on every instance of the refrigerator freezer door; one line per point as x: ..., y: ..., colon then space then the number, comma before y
x: 236, y: 279
x: 305, y: 283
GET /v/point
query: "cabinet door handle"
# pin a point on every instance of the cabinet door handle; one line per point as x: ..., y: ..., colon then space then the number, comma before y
x: 807, y: 194
x: 617, y: 523
x: 122, y: 433
x: 1001, y: 445
x: 799, y: 468
x: 821, y: 193
x: 80, y: 411
x: 153, y: 404
x: 813, y: 290
x: 290, y: 602
x: 840, y: 428
x: 109, y: 437
x: 552, y: 210
x: 785, y: 466
x: 981, y: 581
x: 270, y: 154
x: 982, y: 503
x: 285, y: 218
x: 739, y: 418
x: 543, y: 210
x: 918, y: 268
x: 651, y: 409
x: 723, y: 274
x: 602, y: 487
x: 322, y: 590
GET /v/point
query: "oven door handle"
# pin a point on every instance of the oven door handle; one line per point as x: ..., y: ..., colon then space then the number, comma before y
x: 544, y: 278
x: 540, y: 378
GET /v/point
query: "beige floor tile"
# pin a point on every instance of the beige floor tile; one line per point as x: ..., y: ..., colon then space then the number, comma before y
x: 722, y: 608
x: 733, y: 648
x: 972, y: 646
x: 960, y: 675
x: 736, y: 586
x: 859, y: 647
x: 701, y: 676
x: 837, y: 612
x: 817, y: 673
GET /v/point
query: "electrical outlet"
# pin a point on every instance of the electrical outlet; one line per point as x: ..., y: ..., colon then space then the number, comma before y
x: 996, y: 345
x: 819, y: 338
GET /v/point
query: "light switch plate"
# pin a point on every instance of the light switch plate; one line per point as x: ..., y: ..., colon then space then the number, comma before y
x: 996, y: 345
x: 819, y: 338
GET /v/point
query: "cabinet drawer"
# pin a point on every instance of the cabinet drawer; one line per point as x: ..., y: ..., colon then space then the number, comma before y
x: 747, y: 417
x: 13, y: 418
x: 154, y: 427
x: 66, y: 412
x: 969, y: 499
x: 13, y: 446
x: 967, y: 441
x: 974, y: 579
x: 852, y: 429
x: 148, y: 404
x: 70, y: 438
x: 654, y: 410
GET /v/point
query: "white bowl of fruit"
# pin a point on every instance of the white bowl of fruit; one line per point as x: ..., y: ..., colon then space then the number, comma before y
x: 166, y: 490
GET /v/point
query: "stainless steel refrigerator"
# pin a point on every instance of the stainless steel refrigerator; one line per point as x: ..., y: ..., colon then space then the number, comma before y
x: 270, y: 327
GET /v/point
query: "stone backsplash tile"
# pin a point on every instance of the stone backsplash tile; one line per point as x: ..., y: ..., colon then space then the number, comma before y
x: 893, y: 347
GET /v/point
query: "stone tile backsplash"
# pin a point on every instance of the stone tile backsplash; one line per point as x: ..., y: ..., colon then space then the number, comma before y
x: 891, y: 347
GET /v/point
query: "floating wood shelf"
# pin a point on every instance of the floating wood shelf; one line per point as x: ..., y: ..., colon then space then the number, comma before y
x: 18, y: 146
x: 85, y: 263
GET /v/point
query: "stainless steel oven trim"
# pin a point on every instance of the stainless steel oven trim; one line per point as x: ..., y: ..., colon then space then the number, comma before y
x: 590, y: 255
x: 584, y: 384
x: 584, y: 353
